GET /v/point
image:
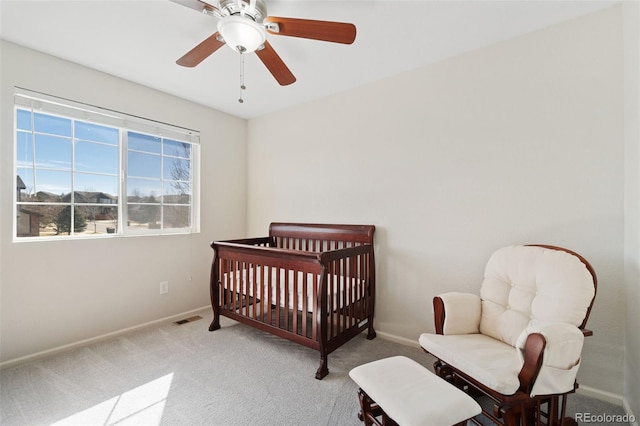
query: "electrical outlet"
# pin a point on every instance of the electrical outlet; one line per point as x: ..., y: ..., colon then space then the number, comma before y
x: 164, y: 287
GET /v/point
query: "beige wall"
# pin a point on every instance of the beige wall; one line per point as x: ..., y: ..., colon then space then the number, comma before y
x: 631, y: 25
x: 56, y: 293
x: 521, y: 142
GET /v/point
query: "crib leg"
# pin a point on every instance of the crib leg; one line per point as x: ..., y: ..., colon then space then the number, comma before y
x: 323, y: 370
x: 371, y: 334
x: 215, y: 324
x: 214, y: 292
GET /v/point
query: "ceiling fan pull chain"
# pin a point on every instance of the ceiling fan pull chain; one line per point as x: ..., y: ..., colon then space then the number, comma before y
x: 242, y: 86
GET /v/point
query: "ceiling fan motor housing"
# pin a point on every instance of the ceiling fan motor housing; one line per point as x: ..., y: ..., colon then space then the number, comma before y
x: 255, y: 9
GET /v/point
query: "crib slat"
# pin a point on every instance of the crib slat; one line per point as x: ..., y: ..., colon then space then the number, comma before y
x: 243, y: 287
x: 278, y: 290
x: 331, y: 295
x: 360, y: 310
x: 223, y: 277
x: 353, y: 288
x: 238, y: 288
x: 254, y: 278
x: 269, y: 293
x: 314, y: 309
x: 231, y: 286
x: 259, y: 297
x: 295, y: 303
x: 305, y: 303
x: 246, y: 289
x: 342, y: 283
x: 232, y: 289
x: 338, y: 296
x: 286, y: 299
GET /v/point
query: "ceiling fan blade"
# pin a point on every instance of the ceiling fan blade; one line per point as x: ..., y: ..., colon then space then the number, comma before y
x: 201, y: 51
x: 275, y: 65
x: 336, y: 32
x: 197, y: 5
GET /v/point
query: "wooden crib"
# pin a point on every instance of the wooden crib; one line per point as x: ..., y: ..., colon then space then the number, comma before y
x: 313, y: 284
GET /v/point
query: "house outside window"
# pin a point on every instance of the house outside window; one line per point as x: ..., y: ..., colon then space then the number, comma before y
x: 81, y: 172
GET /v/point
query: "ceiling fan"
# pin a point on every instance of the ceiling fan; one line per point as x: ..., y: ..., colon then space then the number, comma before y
x: 243, y: 26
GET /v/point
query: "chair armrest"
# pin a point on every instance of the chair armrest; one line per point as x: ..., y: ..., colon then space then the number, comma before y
x: 457, y: 313
x: 531, y: 354
x: 551, y: 357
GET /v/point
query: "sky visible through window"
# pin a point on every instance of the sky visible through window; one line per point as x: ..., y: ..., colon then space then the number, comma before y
x: 96, y: 158
x: 44, y: 155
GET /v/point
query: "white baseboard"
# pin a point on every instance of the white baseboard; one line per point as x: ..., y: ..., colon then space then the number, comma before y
x: 397, y: 339
x: 610, y: 397
x: 59, y: 349
x: 627, y: 409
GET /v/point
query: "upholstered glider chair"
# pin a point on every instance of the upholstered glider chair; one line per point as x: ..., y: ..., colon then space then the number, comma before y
x: 519, y: 342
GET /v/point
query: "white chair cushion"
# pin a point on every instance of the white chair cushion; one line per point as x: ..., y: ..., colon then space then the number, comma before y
x: 462, y: 313
x: 527, y: 285
x: 492, y: 362
x: 561, y: 358
x: 412, y: 395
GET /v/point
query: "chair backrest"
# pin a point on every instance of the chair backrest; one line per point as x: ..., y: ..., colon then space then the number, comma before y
x: 532, y: 286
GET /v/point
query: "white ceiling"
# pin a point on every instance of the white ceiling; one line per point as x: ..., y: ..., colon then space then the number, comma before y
x: 141, y: 40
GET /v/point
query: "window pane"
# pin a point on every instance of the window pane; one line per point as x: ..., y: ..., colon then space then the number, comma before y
x: 146, y: 143
x: 94, y: 132
x: 53, y: 152
x: 62, y: 221
x: 177, y: 216
x: 175, y: 192
x: 144, y: 165
x: 24, y: 119
x: 95, y: 188
x: 99, y: 220
x: 24, y: 149
x: 53, y: 125
x: 41, y: 220
x: 177, y: 149
x: 143, y: 216
x: 27, y: 221
x: 176, y: 169
x: 26, y: 176
x: 144, y: 190
x: 52, y: 186
x: 94, y: 157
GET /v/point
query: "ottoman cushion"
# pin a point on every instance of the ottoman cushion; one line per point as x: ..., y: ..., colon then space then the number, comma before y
x: 411, y: 395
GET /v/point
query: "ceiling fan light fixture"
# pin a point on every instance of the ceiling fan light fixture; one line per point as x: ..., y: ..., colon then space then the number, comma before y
x: 242, y: 34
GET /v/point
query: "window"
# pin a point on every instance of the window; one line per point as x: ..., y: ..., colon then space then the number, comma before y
x: 75, y: 164
x: 158, y: 182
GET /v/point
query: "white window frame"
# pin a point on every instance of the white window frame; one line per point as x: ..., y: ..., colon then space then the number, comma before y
x: 51, y: 105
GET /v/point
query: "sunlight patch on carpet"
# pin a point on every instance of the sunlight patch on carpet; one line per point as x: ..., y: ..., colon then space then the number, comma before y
x: 141, y: 405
